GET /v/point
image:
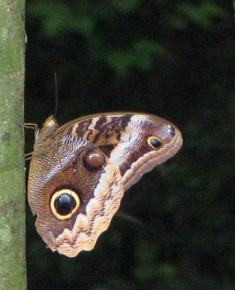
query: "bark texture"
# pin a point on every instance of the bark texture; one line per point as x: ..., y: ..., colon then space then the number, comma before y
x: 12, y: 189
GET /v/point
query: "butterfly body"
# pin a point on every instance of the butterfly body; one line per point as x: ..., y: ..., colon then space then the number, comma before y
x: 79, y: 172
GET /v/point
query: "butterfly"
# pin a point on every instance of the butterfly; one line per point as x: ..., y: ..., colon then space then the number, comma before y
x: 79, y: 172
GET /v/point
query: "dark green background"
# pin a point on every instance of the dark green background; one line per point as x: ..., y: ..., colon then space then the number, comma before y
x: 176, y: 227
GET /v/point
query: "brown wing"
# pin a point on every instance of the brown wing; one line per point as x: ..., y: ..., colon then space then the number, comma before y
x: 78, y: 172
x: 125, y: 139
x: 75, y: 193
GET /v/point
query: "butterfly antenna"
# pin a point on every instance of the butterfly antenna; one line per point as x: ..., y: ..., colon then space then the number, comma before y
x: 56, y: 93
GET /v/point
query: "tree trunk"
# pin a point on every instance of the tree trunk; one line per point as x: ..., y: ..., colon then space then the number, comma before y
x: 12, y: 190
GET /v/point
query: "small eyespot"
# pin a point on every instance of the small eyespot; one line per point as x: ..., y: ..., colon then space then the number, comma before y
x: 154, y: 142
x: 94, y: 160
x: 64, y: 203
x: 171, y: 130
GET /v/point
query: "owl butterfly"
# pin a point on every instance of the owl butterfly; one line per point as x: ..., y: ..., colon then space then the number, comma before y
x: 80, y: 171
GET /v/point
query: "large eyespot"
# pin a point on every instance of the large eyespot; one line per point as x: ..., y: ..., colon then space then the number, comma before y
x: 93, y: 160
x: 154, y: 142
x: 64, y: 203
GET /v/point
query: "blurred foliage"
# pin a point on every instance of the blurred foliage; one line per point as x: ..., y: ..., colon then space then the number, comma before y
x: 176, y: 59
x: 111, y: 28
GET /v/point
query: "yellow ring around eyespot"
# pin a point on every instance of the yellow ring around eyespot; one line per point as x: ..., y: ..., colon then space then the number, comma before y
x: 150, y: 139
x: 56, y: 195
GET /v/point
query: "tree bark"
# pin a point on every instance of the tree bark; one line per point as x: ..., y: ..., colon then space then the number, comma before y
x: 12, y: 189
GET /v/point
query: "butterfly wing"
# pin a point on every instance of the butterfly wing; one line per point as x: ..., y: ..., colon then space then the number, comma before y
x: 74, y: 190
x: 79, y: 172
x: 134, y: 142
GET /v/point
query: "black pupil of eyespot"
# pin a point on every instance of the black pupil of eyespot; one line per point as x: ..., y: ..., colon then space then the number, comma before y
x: 65, y: 203
x: 155, y: 143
